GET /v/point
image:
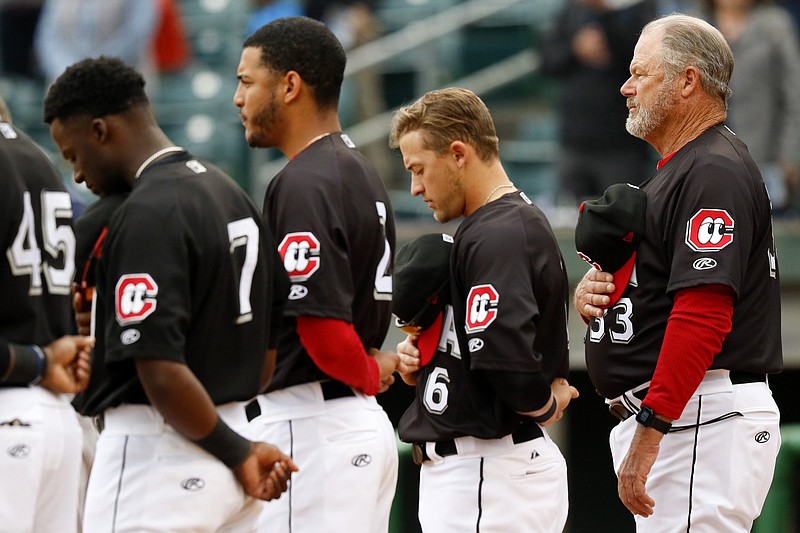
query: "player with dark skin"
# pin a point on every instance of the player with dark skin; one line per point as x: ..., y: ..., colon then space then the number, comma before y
x: 331, y: 214
x: 68, y: 364
x: 106, y: 152
x: 39, y: 361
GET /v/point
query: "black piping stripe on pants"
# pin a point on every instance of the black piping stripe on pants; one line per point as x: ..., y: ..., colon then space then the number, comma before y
x: 694, y: 463
x: 119, y: 484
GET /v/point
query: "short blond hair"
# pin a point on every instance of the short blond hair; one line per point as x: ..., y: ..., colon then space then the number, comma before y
x: 448, y: 115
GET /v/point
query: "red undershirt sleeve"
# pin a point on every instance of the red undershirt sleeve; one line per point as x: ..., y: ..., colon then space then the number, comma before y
x: 701, y: 317
x: 337, y: 350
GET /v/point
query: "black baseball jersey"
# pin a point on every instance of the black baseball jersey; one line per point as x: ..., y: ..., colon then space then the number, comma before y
x: 509, y: 313
x: 332, y: 218
x: 38, y: 243
x: 88, y: 229
x: 183, y: 277
x: 708, y: 222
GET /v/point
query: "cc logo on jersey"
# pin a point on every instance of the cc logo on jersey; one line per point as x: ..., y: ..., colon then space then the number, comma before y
x: 481, y: 307
x: 135, y: 298
x: 300, y: 254
x: 709, y: 230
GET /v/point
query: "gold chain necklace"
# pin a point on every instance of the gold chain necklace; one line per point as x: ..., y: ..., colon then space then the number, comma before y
x: 497, y: 189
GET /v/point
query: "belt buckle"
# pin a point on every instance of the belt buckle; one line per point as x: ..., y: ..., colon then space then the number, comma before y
x: 619, y: 411
x: 418, y: 453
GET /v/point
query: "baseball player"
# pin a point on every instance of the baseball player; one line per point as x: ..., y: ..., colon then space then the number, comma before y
x: 39, y: 434
x: 499, y: 374
x: 683, y: 351
x: 333, y: 222
x: 182, y: 313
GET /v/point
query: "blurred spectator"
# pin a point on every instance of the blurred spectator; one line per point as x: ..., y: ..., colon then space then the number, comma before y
x: 265, y: 11
x: 667, y: 7
x: 71, y: 30
x: 17, y: 24
x: 171, y: 45
x: 793, y: 6
x: 765, y: 107
x: 589, y: 50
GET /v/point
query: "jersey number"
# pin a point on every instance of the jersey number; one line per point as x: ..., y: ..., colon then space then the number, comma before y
x: 24, y: 254
x: 383, y: 274
x: 622, y: 331
x: 436, y: 392
x: 244, y: 232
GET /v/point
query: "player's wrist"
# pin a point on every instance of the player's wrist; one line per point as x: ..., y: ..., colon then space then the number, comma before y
x: 547, y: 415
x: 225, y: 444
x: 29, y: 364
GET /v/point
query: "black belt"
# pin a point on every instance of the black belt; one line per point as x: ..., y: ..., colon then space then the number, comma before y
x: 331, y: 390
x: 526, y: 432
x: 622, y: 412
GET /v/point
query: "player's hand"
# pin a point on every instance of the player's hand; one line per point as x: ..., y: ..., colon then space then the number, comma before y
x: 83, y: 313
x: 592, y: 292
x: 387, y: 364
x: 68, y: 364
x: 265, y: 472
x: 633, y: 472
x: 409, y: 360
x: 564, y: 394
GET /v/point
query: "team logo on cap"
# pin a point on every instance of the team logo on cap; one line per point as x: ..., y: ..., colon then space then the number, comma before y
x: 135, y: 298
x: 300, y: 254
x: 709, y: 230
x: 481, y: 307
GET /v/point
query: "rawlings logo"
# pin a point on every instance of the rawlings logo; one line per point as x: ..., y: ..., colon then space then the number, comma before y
x: 19, y: 451
x: 475, y: 345
x: 135, y: 298
x: 762, y: 437
x: 129, y: 336
x: 297, y: 292
x: 361, y: 460
x: 709, y: 230
x: 481, y: 307
x: 193, y: 484
x: 704, y: 263
x: 300, y: 254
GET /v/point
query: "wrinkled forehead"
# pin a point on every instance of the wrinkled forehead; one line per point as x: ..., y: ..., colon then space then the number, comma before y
x: 647, y: 52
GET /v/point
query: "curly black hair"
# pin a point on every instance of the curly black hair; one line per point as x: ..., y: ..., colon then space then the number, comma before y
x: 307, y: 47
x: 95, y: 87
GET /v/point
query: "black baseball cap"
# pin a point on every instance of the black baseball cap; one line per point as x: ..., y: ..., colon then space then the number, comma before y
x: 609, y: 230
x: 421, y: 288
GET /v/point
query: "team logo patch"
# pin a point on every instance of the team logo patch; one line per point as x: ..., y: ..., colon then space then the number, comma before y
x: 704, y: 263
x: 135, y: 298
x: 481, y: 307
x: 709, y: 230
x: 361, y: 460
x: 300, y: 254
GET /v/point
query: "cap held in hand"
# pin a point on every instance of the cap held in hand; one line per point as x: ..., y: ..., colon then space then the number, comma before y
x: 608, y: 233
x: 421, y: 287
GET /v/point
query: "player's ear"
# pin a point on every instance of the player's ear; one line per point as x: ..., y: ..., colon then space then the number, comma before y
x: 690, y: 81
x: 99, y: 129
x: 292, y: 85
x: 459, y: 152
